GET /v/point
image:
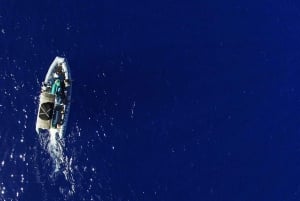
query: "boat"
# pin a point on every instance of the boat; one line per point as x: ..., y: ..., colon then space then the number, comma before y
x: 55, y: 98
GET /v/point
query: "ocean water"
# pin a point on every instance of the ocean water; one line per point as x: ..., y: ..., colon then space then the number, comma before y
x: 172, y: 100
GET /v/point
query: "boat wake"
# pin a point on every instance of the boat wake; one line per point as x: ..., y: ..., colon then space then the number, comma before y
x: 55, y: 149
x: 62, y: 165
x: 53, y: 143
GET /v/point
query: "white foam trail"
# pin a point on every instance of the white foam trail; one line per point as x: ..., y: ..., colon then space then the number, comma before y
x: 55, y: 148
x: 54, y: 144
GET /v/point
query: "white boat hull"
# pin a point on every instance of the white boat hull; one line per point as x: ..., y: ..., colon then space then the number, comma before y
x: 55, y: 98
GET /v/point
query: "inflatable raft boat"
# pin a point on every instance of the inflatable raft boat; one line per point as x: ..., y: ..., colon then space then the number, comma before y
x: 55, y: 98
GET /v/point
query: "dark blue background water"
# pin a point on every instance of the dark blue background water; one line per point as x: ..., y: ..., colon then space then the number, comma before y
x: 172, y: 100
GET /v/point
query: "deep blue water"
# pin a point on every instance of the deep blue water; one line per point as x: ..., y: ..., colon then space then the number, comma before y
x: 172, y: 100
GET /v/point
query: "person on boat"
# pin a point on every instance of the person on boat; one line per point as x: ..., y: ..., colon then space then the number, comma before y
x: 58, y: 71
x: 57, y: 116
